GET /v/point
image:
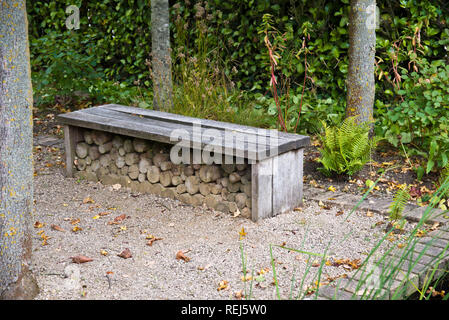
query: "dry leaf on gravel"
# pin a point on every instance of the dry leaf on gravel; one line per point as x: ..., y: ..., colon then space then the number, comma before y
x: 74, y: 221
x: 352, y: 264
x: 81, y: 259
x: 57, y: 228
x: 118, y: 219
x: 88, y: 200
x: 76, y: 229
x: 38, y: 225
x: 181, y: 256
x: 125, y: 254
x: 222, y: 285
x: 152, y: 239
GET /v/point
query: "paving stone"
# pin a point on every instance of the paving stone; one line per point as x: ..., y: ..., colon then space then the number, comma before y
x: 376, y: 205
x: 335, y: 294
x: 417, y: 213
x: 48, y: 141
x: 429, y: 250
x: 434, y: 241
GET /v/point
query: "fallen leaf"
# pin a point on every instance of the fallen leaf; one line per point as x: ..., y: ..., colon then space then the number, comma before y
x: 109, y: 272
x: 332, y: 188
x: 222, y: 285
x: 181, y: 256
x: 118, y: 219
x: 323, y: 206
x: 96, y: 217
x: 104, y: 252
x: 247, y: 278
x: 351, y: 264
x: 421, y: 233
x: 38, y: 225
x: 238, y: 295
x: 125, y: 254
x: 57, y: 228
x: 369, y: 213
x: 150, y: 242
x: 105, y: 213
x: 76, y: 229
x: 80, y: 259
x: 44, y: 239
x: 88, y: 200
x: 74, y: 221
x: 339, y: 213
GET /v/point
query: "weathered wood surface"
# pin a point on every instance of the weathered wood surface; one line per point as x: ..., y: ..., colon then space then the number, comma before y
x: 287, y: 181
x: 277, y: 184
x: 262, y: 189
x: 249, y: 142
x: 72, y: 135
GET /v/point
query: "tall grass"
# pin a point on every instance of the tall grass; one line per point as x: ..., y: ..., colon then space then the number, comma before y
x: 201, y: 89
x: 382, y: 274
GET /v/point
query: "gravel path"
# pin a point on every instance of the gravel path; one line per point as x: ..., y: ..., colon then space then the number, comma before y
x: 210, y: 239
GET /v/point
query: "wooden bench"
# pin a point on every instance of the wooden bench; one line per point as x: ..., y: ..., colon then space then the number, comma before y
x: 275, y: 158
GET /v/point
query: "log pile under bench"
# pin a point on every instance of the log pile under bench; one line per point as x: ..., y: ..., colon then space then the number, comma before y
x: 133, y: 147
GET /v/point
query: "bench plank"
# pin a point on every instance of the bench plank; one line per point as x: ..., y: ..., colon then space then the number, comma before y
x: 284, y: 137
x: 153, y: 132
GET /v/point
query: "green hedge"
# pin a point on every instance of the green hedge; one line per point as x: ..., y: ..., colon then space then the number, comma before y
x: 119, y: 33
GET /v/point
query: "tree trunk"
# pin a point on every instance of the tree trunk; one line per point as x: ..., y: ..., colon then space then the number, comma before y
x: 16, y: 142
x: 360, y: 81
x: 161, y: 55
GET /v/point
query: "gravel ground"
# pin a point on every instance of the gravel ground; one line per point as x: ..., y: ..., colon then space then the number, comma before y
x: 210, y: 239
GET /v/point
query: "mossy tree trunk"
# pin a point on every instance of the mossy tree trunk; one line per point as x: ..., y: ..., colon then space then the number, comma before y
x: 161, y: 55
x: 360, y: 82
x: 16, y: 166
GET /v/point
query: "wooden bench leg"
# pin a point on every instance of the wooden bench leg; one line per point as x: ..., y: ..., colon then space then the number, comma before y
x: 277, y: 184
x: 261, y: 184
x: 287, y: 181
x: 72, y: 135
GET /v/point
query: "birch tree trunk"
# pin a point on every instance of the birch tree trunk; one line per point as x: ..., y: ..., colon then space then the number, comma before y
x: 360, y: 81
x: 16, y: 167
x: 161, y: 55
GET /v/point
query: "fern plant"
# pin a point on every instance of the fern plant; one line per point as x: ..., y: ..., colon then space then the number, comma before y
x: 347, y: 148
x: 399, y: 201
